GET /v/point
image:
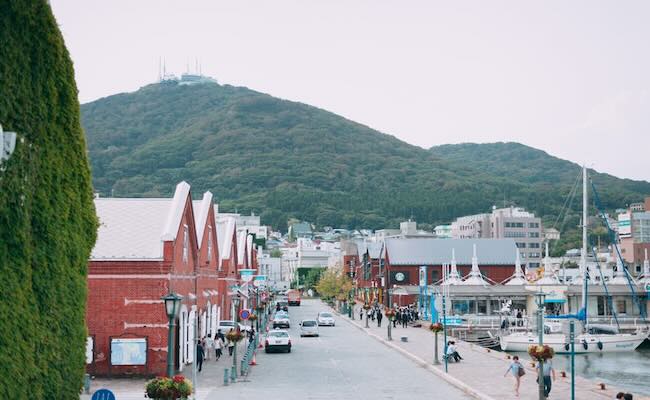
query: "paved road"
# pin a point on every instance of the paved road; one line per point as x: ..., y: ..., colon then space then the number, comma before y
x: 343, y: 363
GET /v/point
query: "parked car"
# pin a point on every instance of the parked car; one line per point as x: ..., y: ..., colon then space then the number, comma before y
x: 281, y: 320
x: 226, y: 325
x: 277, y: 340
x: 325, y: 319
x: 309, y: 327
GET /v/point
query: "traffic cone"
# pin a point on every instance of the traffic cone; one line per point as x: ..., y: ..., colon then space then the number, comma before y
x: 253, y: 361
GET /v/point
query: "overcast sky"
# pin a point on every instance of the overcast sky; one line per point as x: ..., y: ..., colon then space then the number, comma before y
x: 569, y: 77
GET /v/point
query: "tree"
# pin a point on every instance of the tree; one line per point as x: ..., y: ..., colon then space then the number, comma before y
x: 334, y: 284
x: 47, y: 218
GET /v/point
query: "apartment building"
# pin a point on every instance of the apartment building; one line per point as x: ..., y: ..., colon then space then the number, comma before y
x: 505, y: 223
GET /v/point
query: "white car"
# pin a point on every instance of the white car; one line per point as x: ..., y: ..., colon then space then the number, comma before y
x: 277, y: 340
x: 281, y: 320
x: 227, y: 325
x: 309, y: 327
x: 325, y: 319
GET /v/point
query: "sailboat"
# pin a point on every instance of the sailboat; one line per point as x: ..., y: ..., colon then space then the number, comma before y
x: 592, y: 339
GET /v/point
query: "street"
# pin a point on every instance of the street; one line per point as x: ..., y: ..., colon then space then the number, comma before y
x: 342, y: 363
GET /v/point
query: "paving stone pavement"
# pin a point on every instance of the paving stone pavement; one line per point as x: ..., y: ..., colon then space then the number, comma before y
x: 483, y: 370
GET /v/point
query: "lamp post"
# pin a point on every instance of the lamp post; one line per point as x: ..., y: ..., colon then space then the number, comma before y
x: 172, y: 306
x: 235, y: 302
x: 390, y: 320
x: 539, y: 298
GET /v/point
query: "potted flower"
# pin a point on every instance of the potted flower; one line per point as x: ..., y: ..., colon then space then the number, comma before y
x: 541, y: 353
x: 390, y: 314
x: 252, y: 317
x: 234, y: 336
x: 435, y: 328
x: 366, y: 306
x: 164, y: 388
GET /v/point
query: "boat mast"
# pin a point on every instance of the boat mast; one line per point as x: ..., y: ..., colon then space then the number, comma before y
x: 583, y: 255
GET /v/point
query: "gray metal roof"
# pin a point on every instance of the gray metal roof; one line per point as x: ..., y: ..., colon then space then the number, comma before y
x: 426, y: 251
x: 373, y: 248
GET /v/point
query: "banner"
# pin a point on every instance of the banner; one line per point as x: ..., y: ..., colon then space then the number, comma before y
x: 423, y: 276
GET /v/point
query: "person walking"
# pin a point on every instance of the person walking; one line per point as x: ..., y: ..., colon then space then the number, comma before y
x: 200, y: 354
x: 394, y: 319
x: 231, y: 345
x: 218, y: 348
x: 547, y: 373
x: 379, y: 318
x: 209, y: 346
x: 361, y: 314
x: 405, y: 319
x: 517, y: 371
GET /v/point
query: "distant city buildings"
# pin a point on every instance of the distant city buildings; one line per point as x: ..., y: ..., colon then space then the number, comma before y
x: 634, y: 234
x: 512, y: 222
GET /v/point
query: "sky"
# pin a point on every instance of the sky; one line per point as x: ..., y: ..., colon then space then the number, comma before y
x: 569, y: 77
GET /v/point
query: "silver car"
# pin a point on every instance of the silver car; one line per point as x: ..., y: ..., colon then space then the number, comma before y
x: 325, y: 319
x: 309, y: 327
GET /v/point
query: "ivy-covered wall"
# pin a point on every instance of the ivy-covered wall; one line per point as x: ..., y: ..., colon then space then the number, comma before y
x: 47, y: 219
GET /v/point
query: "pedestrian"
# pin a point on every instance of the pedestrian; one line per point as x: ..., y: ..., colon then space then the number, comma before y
x: 200, y: 355
x: 361, y: 313
x: 405, y: 319
x: 547, y: 372
x: 231, y: 344
x: 379, y: 318
x: 620, y: 396
x: 221, y: 336
x: 209, y: 345
x: 218, y: 348
x: 520, y: 318
x: 251, y: 336
x: 517, y: 371
x: 627, y: 396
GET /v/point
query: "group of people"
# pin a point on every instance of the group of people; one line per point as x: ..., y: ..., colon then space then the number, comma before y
x: 403, y: 315
x: 207, y: 345
x: 624, y: 396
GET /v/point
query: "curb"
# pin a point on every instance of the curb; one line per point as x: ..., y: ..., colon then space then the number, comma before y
x: 422, y: 363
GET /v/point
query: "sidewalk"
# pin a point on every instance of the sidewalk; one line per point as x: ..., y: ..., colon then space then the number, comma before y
x: 481, y: 372
x: 208, y: 379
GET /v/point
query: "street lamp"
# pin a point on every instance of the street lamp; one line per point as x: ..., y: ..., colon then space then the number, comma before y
x: 172, y: 306
x: 390, y: 308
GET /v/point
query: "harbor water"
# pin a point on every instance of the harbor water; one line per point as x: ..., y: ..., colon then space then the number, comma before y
x: 627, y: 371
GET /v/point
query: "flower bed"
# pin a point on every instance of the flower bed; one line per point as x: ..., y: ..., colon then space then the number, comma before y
x: 541, y: 353
x: 164, y: 388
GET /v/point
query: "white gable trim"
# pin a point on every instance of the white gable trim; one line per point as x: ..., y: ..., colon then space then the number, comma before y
x: 202, y: 216
x: 176, y: 212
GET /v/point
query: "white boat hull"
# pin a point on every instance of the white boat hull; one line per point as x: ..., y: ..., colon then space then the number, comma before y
x: 585, y: 343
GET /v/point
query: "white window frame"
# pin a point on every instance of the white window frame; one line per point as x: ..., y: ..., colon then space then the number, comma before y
x: 186, y: 243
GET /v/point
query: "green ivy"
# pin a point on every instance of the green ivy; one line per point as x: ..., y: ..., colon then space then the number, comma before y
x: 47, y: 219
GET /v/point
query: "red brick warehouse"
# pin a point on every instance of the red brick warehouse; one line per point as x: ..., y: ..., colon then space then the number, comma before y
x: 146, y: 248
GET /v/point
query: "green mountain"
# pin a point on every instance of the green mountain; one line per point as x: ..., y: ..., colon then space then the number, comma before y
x: 284, y: 159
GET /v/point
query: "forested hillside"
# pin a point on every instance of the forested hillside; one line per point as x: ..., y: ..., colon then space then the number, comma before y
x: 284, y: 159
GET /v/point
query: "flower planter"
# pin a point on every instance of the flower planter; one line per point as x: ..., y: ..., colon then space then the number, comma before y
x: 164, y: 388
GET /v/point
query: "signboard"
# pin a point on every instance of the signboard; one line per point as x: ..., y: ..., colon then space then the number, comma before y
x: 423, y: 276
x: 129, y: 351
x: 247, y: 274
x: 647, y: 287
x: 90, y: 350
x: 259, y: 281
x: 244, y: 314
x: 451, y: 321
x: 624, y: 225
